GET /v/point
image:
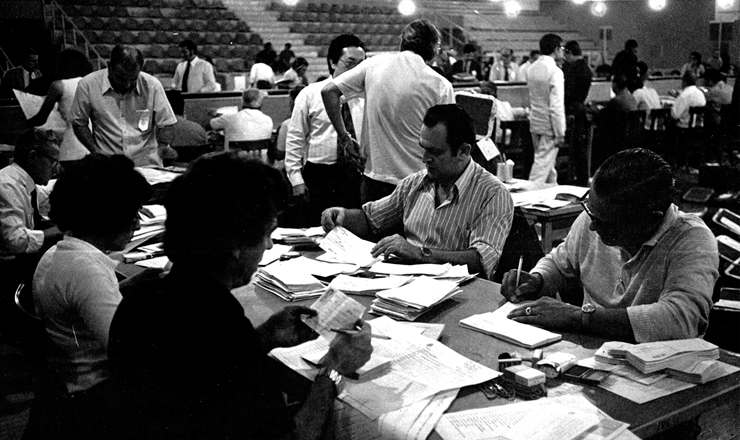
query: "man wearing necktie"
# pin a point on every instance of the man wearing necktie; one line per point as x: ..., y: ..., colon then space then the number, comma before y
x: 193, y: 74
x: 23, y: 200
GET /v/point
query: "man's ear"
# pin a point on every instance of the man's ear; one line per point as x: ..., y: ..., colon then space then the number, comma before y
x: 464, y: 149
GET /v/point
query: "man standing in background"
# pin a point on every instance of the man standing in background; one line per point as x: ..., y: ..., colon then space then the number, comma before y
x: 577, y: 84
x: 193, y: 75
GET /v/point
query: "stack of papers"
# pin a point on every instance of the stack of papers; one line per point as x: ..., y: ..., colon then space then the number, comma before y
x: 283, y: 280
x: 155, y: 176
x: 152, y: 215
x: 553, y: 196
x: 696, y: 370
x: 655, y: 356
x: 298, y: 236
x: 144, y: 253
x: 498, y: 325
x: 410, y: 301
x: 367, y: 286
x: 613, y: 352
x: 432, y: 270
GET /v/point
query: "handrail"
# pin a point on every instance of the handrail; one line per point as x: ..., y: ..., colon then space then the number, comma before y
x: 6, y: 61
x: 441, y: 18
x: 76, y: 33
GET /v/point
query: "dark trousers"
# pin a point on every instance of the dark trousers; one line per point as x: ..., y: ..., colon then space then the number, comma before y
x: 372, y: 190
x: 330, y: 185
x: 577, y: 129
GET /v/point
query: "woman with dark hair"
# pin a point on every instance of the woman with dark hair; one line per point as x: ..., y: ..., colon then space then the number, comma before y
x: 75, y: 289
x: 71, y: 66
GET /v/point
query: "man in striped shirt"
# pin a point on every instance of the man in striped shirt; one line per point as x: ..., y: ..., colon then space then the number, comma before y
x: 454, y: 211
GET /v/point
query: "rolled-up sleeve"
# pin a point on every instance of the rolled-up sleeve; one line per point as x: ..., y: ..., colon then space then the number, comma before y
x: 17, y: 237
x: 490, y: 229
x: 296, y: 140
x: 682, y: 310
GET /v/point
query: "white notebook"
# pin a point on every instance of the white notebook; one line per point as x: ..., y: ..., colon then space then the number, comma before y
x: 498, y: 325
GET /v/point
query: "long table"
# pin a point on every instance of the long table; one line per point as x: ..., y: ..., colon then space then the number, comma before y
x: 479, y: 296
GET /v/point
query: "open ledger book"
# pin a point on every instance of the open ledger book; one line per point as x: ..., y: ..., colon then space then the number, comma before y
x: 498, y: 325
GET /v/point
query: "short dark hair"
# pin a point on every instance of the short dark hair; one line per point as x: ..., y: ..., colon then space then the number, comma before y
x: 458, y: 122
x: 176, y: 101
x: 246, y: 195
x: 696, y: 56
x: 28, y: 51
x: 642, y: 67
x: 126, y: 56
x: 189, y: 45
x: 573, y: 48
x: 714, y: 75
x: 263, y: 84
x: 71, y: 63
x: 33, y: 139
x: 636, y: 177
x: 298, y: 63
x: 533, y: 53
x: 420, y: 37
x: 630, y: 44
x: 549, y: 43
x: 103, y: 194
x: 620, y: 81
x: 336, y: 47
x: 295, y: 91
x: 489, y: 88
x: 469, y: 48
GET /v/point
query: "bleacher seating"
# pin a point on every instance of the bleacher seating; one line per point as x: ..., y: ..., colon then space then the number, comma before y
x: 157, y: 26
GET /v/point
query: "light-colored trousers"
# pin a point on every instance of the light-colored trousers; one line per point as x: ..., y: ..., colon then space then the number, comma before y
x: 545, y: 154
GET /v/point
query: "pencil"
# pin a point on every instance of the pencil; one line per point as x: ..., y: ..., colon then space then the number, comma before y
x: 354, y: 332
x: 519, y: 270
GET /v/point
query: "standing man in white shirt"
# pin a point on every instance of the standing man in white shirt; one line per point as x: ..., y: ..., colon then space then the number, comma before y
x: 315, y: 169
x: 193, y: 75
x: 398, y: 89
x: 547, y: 116
x: 505, y: 69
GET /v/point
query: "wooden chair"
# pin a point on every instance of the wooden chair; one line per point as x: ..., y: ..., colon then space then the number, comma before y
x: 254, y: 148
x: 634, y: 129
x: 516, y: 144
x: 654, y: 136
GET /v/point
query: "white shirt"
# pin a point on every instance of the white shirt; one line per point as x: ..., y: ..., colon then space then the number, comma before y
x: 498, y: 72
x: 522, y: 73
x: 691, y: 96
x: 310, y: 129
x: 246, y: 125
x: 200, y: 78
x: 16, y: 212
x: 546, y: 97
x: 76, y: 294
x: 261, y: 71
x: 398, y: 88
x: 647, y: 98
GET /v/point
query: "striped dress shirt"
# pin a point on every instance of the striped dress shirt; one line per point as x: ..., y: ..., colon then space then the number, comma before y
x: 477, y: 216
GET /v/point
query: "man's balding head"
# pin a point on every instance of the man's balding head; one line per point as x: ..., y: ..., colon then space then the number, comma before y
x: 37, y: 152
x: 252, y: 98
x: 422, y: 38
x: 124, y: 68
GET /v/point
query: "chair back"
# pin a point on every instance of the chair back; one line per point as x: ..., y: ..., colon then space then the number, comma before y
x: 252, y: 147
x: 633, y: 128
x: 521, y: 242
x: 188, y: 154
x: 25, y: 302
x: 656, y: 120
x: 696, y: 117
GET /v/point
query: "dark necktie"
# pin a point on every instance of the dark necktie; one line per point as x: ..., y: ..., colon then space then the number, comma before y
x: 506, y: 73
x: 37, y: 220
x: 185, y: 78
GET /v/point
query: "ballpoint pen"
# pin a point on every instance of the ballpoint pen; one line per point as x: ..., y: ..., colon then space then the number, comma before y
x: 519, y: 271
x: 355, y: 331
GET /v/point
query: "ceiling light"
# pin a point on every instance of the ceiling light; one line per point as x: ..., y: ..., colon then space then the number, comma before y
x: 512, y: 8
x: 579, y: 2
x: 407, y: 7
x: 290, y: 2
x: 598, y: 9
x: 725, y: 4
x: 657, y: 5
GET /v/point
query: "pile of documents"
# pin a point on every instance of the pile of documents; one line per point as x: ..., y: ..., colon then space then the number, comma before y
x: 281, y: 279
x: 298, y: 236
x: 342, y: 246
x: 498, y: 325
x: 412, y: 300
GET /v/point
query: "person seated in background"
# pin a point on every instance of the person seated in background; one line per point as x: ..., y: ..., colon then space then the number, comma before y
x: 468, y: 65
x: 193, y: 74
x: 188, y: 362
x: 694, y: 65
x: 75, y: 289
x: 318, y: 172
x: 647, y: 97
x: 295, y: 76
x: 261, y: 71
x: 23, y: 201
x: 19, y: 78
x: 718, y: 93
x: 183, y: 133
x: 248, y: 124
x: 505, y: 69
x: 524, y: 67
x: 645, y: 269
x: 612, y: 121
x: 690, y: 96
x: 454, y: 211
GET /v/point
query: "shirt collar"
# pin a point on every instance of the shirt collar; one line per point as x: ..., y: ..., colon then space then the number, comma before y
x: 461, y: 184
x: 107, y: 85
x: 25, y: 177
x: 76, y: 244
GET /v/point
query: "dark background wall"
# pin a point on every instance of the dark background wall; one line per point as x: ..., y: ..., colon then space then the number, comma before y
x: 665, y: 37
x: 21, y: 24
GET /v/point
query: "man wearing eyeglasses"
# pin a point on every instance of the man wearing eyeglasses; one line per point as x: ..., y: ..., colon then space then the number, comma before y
x: 23, y: 200
x: 319, y: 171
x: 645, y: 269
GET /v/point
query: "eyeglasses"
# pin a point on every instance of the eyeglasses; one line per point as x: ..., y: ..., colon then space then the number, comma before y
x: 351, y: 64
x: 630, y: 219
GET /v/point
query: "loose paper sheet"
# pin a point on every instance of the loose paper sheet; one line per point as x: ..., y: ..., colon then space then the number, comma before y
x: 335, y: 311
x: 274, y: 254
x: 346, y: 247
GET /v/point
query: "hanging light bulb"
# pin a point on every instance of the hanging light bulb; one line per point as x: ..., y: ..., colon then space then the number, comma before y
x: 512, y: 8
x: 598, y: 9
x: 656, y: 5
x: 406, y: 7
x: 725, y: 4
x: 579, y: 2
x: 290, y: 2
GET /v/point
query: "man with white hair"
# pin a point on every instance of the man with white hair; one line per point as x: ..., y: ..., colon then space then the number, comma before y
x: 249, y: 124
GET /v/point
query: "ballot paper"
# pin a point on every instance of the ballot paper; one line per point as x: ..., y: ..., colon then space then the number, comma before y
x: 335, y: 311
x: 346, y: 247
x: 152, y: 215
x: 413, y: 422
x: 498, y: 325
x: 297, y: 236
x: 319, y: 268
x: 274, y: 254
x: 531, y: 420
x: 367, y: 286
x: 650, y: 357
x: 411, y: 269
x: 157, y: 175
x: 162, y: 263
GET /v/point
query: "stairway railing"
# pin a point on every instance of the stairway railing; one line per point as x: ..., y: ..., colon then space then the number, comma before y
x: 77, y: 36
x: 5, y: 63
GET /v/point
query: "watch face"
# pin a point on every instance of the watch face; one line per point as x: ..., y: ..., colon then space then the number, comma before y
x: 425, y: 251
x: 588, y: 308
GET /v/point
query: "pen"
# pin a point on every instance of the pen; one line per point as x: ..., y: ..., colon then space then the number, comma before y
x: 519, y: 270
x: 355, y: 331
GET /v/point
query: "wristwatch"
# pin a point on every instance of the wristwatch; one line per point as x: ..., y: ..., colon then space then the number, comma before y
x: 426, y: 252
x: 586, y: 311
x: 334, y: 376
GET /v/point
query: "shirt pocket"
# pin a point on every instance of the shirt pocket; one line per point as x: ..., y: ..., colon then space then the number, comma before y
x: 143, y: 119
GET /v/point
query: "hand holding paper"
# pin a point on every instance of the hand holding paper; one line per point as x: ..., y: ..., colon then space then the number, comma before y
x: 285, y: 328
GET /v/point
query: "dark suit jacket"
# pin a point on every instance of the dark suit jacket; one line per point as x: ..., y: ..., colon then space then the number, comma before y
x: 14, y: 78
x: 459, y: 67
